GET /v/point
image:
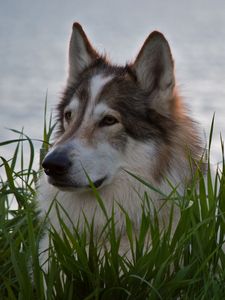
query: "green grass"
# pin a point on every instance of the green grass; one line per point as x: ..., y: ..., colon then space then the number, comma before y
x: 188, y: 263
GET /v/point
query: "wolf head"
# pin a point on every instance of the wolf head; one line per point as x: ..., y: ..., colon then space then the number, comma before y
x: 113, y: 118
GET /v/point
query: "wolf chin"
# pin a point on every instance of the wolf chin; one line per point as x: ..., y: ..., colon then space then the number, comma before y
x: 113, y: 119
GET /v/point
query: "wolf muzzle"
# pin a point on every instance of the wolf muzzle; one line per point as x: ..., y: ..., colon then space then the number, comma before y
x: 57, y: 166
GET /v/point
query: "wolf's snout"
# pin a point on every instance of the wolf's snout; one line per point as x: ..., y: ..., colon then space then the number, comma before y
x: 56, y: 164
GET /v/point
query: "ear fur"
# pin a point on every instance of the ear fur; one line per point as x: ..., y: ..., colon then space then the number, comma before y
x: 155, y: 70
x: 81, y: 53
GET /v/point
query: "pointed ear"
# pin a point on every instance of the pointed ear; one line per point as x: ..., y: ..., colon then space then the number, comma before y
x: 155, y: 69
x: 81, y: 53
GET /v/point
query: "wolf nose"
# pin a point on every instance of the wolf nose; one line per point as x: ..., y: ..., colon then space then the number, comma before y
x: 56, y: 164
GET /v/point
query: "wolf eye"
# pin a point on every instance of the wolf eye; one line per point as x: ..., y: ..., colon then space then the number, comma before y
x: 68, y: 115
x: 108, y: 121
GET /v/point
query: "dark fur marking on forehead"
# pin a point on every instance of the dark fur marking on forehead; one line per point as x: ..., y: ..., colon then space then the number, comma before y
x: 99, y: 66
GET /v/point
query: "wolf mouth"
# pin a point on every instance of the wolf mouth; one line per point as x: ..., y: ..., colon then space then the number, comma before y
x: 65, y: 185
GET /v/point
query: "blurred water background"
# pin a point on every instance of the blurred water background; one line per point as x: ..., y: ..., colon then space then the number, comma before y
x: 34, y: 44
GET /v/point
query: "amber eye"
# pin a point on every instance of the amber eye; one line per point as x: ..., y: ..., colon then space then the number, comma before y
x: 68, y: 115
x: 108, y: 121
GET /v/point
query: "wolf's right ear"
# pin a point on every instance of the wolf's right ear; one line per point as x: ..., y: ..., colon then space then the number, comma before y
x: 154, y: 63
x: 154, y: 69
x: 81, y: 53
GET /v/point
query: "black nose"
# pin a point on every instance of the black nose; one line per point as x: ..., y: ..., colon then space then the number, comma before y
x: 56, y: 163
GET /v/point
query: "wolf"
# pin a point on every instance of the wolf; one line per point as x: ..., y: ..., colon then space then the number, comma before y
x: 112, y: 121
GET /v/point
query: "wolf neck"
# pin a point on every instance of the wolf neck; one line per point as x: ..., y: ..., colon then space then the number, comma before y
x: 125, y: 191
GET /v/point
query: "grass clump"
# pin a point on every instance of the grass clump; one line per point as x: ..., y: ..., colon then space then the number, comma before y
x: 187, y: 262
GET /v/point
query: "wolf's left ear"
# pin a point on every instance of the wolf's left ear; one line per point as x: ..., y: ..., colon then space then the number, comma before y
x: 81, y: 53
x: 155, y: 69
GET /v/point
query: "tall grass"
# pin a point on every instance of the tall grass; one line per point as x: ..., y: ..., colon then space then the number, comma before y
x: 187, y: 262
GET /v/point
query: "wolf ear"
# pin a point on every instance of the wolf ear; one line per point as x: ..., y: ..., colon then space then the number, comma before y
x: 81, y: 53
x: 155, y: 69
